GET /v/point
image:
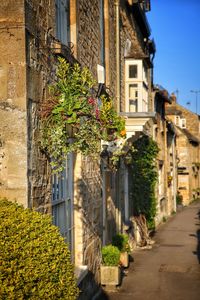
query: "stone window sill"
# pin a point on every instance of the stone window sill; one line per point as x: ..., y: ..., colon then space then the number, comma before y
x: 80, y: 273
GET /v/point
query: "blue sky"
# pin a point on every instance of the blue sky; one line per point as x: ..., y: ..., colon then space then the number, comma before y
x: 175, y: 26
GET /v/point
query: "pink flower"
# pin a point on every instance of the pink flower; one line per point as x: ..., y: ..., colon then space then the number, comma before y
x: 97, y: 112
x: 91, y: 101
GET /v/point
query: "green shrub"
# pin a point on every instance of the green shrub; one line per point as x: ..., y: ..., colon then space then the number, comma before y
x: 35, y: 260
x: 110, y: 255
x: 179, y: 199
x: 121, y: 242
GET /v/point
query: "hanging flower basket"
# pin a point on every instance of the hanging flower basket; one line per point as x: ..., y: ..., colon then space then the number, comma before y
x: 72, y: 111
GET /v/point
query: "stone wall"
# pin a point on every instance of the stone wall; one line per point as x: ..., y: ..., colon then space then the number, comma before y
x: 13, y: 117
x: 40, y: 23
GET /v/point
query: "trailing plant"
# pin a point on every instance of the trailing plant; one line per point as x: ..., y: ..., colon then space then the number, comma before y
x: 144, y: 178
x: 35, y: 260
x: 121, y: 242
x: 110, y: 255
x: 73, y: 119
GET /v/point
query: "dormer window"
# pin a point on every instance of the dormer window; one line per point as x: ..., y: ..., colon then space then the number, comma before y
x: 183, y: 123
x: 136, y: 91
x: 177, y: 120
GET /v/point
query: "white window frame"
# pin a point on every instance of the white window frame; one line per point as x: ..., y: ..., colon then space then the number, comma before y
x: 183, y: 123
x: 142, y: 86
x: 62, y: 202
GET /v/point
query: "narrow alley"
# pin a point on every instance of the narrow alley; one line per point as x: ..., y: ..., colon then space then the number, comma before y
x: 171, y: 269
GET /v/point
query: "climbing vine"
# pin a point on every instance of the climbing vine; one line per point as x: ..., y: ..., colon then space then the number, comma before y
x: 144, y: 178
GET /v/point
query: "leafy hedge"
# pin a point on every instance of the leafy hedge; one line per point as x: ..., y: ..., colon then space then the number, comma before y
x: 35, y: 260
x: 144, y: 178
x: 121, y: 242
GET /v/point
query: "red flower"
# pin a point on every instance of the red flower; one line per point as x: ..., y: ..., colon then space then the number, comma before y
x: 97, y: 112
x: 91, y: 101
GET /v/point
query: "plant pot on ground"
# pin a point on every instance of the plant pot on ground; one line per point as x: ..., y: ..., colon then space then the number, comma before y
x: 121, y: 242
x: 110, y: 270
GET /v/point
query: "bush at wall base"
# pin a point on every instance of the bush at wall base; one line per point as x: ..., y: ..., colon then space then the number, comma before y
x: 121, y: 242
x: 35, y: 260
x: 110, y: 271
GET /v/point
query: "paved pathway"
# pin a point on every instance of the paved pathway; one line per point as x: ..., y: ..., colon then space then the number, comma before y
x: 171, y: 270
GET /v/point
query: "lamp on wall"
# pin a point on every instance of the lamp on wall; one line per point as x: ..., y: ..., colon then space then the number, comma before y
x: 105, y: 156
x: 128, y: 159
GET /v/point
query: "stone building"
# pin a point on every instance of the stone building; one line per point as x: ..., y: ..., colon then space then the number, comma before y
x: 186, y: 124
x: 34, y: 34
x: 89, y: 202
x: 164, y: 135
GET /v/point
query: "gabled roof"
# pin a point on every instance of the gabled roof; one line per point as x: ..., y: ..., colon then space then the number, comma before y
x: 189, y: 135
x: 172, y: 110
x: 162, y: 94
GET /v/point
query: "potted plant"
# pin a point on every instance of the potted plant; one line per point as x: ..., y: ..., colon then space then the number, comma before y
x: 110, y: 270
x: 121, y: 242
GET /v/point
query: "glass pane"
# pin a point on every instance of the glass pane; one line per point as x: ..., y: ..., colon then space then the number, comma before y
x: 132, y: 105
x: 133, y: 71
x: 62, y: 20
x: 133, y: 92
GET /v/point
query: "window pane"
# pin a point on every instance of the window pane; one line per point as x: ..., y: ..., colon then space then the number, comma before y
x: 62, y: 20
x: 133, y: 92
x: 133, y: 98
x: 102, y: 35
x: 133, y: 71
x: 133, y: 105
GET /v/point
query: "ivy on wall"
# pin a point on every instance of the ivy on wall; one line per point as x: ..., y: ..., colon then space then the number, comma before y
x: 144, y: 178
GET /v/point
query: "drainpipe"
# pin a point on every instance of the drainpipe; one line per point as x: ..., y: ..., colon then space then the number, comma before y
x: 117, y: 28
x: 117, y: 56
x: 174, y: 171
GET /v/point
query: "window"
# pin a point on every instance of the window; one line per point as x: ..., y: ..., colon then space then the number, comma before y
x: 102, y: 33
x: 160, y: 180
x: 133, y: 97
x: 183, y: 123
x: 62, y: 204
x: 62, y: 21
x: 177, y: 120
x: 133, y: 73
x: 136, y: 86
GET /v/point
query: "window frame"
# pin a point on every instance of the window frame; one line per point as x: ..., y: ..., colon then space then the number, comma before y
x: 62, y: 202
x: 62, y: 14
x: 141, y: 81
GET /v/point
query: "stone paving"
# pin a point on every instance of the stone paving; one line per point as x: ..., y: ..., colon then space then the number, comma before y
x: 171, y: 269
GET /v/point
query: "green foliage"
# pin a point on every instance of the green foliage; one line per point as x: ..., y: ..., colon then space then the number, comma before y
x: 110, y: 255
x: 35, y: 260
x: 179, y: 199
x: 144, y: 178
x: 121, y: 242
x: 113, y: 124
x: 73, y: 119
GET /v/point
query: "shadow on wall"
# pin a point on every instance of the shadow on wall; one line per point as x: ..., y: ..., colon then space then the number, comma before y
x: 197, y: 252
x: 90, y: 289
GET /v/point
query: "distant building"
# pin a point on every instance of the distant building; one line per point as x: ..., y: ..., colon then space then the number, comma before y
x: 187, y: 127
